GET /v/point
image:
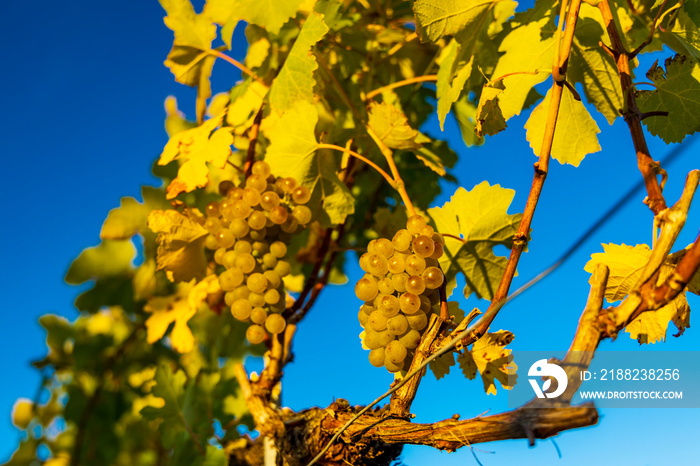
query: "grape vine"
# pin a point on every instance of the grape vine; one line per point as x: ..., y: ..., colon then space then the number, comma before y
x: 322, y: 155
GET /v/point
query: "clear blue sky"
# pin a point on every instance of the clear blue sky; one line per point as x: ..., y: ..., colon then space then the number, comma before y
x: 82, y: 121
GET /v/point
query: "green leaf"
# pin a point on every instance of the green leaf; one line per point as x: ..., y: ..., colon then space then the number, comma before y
x: 591, y: 66
x: 439, y: 18
x: 480, y: 218
x: 684, y: 36
x: 292, y: 152
x: 465, y: 114
x: 215, y: 457
x: 188, y: 60
x: 110, y: 258
x: 678, y: 93
x: 295, y: 80
x: 108, y: 291
x: 453, y: 72
x: 170, y: 386
x: 527, y: 61
x: 269, y: 14
x: 130, y: 217
x: 189, y: 27
x: 435, y: 154
x: 489, y: 117
x: 391, y: 126
x: 441, y: 366
x: 575, y: 133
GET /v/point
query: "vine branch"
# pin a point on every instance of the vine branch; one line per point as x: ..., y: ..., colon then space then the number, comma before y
x: 404, y: 82
x: 633, y: 117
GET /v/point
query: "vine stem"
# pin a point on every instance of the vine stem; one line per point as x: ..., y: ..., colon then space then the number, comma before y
x: 404, y: 82
x: 360, y: 157
x: 235, y: 63
x: 647, y: 166
x: 397, y: 183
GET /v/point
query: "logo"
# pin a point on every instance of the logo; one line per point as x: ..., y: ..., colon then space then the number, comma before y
x: 542, y: 368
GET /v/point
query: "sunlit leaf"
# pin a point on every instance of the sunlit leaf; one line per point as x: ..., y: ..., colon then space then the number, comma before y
x: 575, y: 133
x: 180, y: 244
x: 493, y: 361
x: 479, y: 219
x: 678, y: 93
x: 391, y: 126
x: 295, y: 80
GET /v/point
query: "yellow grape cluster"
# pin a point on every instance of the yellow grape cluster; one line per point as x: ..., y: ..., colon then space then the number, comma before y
x: 249, y: 230
x: 399, y: 289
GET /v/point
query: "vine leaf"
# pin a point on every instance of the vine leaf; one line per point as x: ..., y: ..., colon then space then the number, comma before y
x: 196, y: 147
x: 441, y: 366
x: 110, y: 258
x: 575, y: 135
x: 170, y: 387
x: 480, y: 218
x: 189, y: 59
x: 527, y: 55
x: 489, y: 117
x: 246, y: 99
x: 268, y: 14
x: 435, y: 154
x: 493, y: 361
x: 295, y: 80
x: 179, y: 309
x: 292, y: 152
x: 678, y: 93
x: 683, y: 36
x: 391, y: 126
x: 439, y: 18
x: 591, y: 66
x: 465, y: 114
x: 626, y: 264
x: 180, y: 245
x: 130, y: 217
x: 467, y: 364
x: 453, y: 72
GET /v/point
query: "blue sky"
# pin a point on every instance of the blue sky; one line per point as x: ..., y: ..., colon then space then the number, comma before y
x: 82, y: 122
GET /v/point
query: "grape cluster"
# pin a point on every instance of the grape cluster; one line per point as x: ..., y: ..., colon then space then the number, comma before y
x: 400, y: 288
x: 249, y: 230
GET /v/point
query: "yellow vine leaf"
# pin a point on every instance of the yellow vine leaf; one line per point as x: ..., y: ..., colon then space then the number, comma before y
x: 493, y: 361
x: 575, y: 135
x: 526, y: 54
x: 180, y: 245
x: 626, y: 264
x: 189, y: 59
x: 391, y: 126
x: 295, y: 80
x: 480, y: 217
x: 268, y: 14
x: 453, y: 72
x: 195, y: 148
x: 178, y: 308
